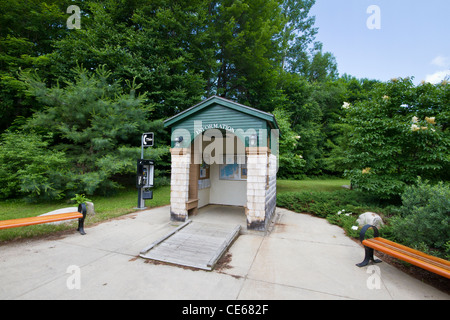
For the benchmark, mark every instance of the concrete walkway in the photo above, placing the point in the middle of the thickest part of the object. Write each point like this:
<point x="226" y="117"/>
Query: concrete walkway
<point x="301" y="258"/>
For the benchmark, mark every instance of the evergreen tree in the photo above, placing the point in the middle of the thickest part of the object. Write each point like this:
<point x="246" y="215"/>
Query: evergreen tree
<point x="96" y="123"/>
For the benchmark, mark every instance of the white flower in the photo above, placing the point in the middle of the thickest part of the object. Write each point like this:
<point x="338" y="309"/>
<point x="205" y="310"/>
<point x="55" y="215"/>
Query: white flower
<point x="354" y="227"/>
<point x="346" y="105"/>
<point x="415" y="127"/>
<point x="415" y="119"/>
<point x="339" y="212"/>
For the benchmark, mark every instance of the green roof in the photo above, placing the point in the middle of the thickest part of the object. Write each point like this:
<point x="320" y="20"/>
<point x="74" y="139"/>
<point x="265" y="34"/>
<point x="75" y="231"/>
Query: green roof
<point x="215" y="100"/>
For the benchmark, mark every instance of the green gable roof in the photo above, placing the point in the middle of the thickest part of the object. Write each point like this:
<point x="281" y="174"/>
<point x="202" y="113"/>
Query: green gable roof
<point x="225" y="103"/>
<point x="219" y="113"/>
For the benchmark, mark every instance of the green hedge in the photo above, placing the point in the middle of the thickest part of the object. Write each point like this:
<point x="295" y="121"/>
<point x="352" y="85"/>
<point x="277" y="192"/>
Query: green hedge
<point x="423" y="222"/>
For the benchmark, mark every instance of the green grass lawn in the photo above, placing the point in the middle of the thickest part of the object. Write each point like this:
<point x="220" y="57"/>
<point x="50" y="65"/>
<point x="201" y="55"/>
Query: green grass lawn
<point x="311" y="185"/>
<point x="123" y="202"/>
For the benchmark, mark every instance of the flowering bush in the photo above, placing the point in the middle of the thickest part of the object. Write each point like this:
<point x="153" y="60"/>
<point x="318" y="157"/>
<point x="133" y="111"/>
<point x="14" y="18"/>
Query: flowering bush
<point x="399" y="134"/>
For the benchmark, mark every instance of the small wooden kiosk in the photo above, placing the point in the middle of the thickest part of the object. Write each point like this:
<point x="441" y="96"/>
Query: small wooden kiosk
<point x="224" y="153"/>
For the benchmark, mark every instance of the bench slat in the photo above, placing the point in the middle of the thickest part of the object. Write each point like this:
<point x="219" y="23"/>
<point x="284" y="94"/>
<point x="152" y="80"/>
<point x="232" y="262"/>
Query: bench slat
<point x="409" y="252"/>
<point x="22" y="222"/>
<point x="420" y="259"/>
<point x="443" y="262"/>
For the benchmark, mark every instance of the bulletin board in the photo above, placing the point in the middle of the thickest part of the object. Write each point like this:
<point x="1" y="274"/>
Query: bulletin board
<point x="233" y="169"/>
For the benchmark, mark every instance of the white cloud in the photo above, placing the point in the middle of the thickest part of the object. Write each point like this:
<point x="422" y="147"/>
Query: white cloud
<point x="441" y="61"/>
<point x="438" y="76"/>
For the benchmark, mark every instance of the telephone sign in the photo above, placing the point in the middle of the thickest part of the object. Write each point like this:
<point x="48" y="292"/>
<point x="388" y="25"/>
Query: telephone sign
<point x="147" y="139"/>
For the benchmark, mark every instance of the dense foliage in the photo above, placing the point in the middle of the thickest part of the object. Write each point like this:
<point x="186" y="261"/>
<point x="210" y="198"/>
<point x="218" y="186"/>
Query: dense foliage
<point x="424" y="219"/>
<point x="31" y="170"/>
<point x="397" y="135"/>
<point x="85" y="95"/>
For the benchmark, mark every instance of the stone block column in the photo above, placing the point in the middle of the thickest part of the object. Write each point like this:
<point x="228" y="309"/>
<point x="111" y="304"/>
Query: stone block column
<point x="179" y="183"/>
<point x="261" y="187"/>
<point x="257" y="162"/>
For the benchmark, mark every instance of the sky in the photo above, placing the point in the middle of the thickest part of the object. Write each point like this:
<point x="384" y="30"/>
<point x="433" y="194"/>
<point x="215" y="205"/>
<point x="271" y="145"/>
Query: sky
<point x="386" y="39"/>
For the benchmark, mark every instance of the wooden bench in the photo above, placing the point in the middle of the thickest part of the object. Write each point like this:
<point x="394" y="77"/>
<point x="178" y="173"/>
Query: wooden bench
<point x="22" y="222"/>
<point x="417" y="258"/>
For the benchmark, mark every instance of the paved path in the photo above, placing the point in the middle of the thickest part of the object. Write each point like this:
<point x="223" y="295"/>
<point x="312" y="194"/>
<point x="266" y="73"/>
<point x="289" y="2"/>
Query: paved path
<point x="302" y="258"/>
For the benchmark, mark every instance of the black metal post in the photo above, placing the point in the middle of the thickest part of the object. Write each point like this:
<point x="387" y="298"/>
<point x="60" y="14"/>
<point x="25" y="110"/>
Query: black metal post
<point x="82" y="209"/>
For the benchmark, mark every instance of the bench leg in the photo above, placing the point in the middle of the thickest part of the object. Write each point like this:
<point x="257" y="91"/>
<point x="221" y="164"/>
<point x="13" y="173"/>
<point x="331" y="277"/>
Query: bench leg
<point x="81" y="226"/>
<point x="369" y="257"/>
<point x="369" y="251"/>
<point x="82" y="209"/>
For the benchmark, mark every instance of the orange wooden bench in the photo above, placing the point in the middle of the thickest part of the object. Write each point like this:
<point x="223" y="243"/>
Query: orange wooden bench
<point x="415" y="257"/>
<point x="22" y="222"/>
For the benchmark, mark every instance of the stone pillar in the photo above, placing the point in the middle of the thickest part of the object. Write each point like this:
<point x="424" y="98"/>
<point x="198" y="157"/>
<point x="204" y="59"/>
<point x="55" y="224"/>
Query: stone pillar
<point x="261" y="187"/>
<point x="257" y="161"/>
<point x="179" y="183"/>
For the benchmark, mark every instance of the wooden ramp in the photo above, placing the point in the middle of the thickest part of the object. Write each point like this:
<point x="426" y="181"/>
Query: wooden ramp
<point x="193" y="244"/>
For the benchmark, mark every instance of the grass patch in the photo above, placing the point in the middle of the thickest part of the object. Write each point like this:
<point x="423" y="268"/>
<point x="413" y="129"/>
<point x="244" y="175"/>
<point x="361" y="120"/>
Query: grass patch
<point x="284" y="186"/>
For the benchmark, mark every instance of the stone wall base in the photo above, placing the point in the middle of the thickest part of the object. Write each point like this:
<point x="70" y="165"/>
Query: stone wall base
<point x="175" y="217"/>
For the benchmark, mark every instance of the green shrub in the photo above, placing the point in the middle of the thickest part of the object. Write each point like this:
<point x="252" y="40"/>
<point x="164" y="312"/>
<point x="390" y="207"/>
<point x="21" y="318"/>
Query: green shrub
<point x="424" y="220"/>
<point x="80" y="198"/>
<point x="29" y="168"/>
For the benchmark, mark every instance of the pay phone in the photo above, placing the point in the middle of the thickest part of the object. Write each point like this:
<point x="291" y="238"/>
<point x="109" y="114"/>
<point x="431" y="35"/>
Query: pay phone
<point x="144" y="180"/>
<point x="145" y="173"/>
